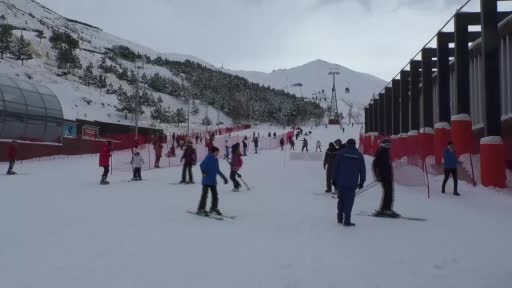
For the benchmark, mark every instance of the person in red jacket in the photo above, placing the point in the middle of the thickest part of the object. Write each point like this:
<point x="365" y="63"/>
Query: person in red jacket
<point x="11" y="156"/>
<point x="236" y="165"/>
<point x="158" y="153"/>
<point x="190" y="159"/>
<point x="105" y="155"/>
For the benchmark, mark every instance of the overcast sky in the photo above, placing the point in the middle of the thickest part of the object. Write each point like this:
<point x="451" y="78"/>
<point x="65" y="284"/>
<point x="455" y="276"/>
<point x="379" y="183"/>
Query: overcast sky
<point x="372" y="36"/>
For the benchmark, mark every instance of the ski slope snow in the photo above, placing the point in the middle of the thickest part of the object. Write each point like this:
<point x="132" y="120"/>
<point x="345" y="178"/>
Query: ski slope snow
<point x="61" y="229"/>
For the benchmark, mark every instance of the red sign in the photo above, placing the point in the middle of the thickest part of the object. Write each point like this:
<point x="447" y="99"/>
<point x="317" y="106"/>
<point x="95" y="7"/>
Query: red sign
<point x="89" y="132"/>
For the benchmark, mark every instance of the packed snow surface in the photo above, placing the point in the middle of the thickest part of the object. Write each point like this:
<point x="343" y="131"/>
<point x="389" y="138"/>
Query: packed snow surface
<point x="61" y="229"/>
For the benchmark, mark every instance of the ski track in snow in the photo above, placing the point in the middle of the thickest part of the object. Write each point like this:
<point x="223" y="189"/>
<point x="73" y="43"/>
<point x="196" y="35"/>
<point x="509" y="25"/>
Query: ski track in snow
<point x="61" y="229"/>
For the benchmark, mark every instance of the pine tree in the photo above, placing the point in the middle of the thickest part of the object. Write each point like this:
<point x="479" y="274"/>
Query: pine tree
<point x="110" y="89"/>
<point x="89" y="78"/>
<point x="206" y="121"/>
<point x="40" y="35"/>
<point x="132" y="80"/>
<point x="102" y="81"/>
<point x="179" y="116"/>
<point x="21" y="49"/>
<point x="5" y="40"/>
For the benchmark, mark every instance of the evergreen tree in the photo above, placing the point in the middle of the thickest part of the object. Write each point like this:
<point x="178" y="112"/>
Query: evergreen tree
<point x="5" y="40"/>
<point x="132" y="80"/>
<point x="21" y="49"/>
<point x="180" y="116"/>
<point x="67" y="60"/>
<point x="124" y="74"/>
<point x="40" y="35"/>
<point x="102" y="81"/>
<point x="89" y="78"/>
<point x="110" y="89"/>
<point x="206" y="121"/>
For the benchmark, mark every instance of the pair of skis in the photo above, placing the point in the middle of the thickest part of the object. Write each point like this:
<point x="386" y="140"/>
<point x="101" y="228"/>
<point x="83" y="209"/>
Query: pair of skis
<point x="400" y="217"/>
<point x="213" y="216"/>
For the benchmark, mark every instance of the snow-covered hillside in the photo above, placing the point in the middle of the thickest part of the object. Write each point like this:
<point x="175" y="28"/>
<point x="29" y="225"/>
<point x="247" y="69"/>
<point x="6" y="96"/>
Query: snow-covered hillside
<point x="80" y="101"/>
<point x="314" y="76"/>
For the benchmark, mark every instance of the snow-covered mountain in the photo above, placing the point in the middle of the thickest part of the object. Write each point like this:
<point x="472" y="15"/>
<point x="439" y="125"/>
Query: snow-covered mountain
<point x="314" y="78"/>
<point x="80" y="101"/>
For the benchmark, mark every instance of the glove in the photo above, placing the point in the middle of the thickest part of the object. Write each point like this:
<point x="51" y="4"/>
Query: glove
<point x="361" y="185"/>
<point x="238" y="175"/>
<point x="226" y="181"/>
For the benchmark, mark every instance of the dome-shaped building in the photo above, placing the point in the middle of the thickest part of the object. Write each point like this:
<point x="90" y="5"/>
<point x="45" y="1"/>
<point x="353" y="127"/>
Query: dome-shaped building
<point x="29" y="111"/>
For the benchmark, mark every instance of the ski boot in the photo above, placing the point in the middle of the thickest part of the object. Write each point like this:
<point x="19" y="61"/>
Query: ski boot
<point x="190" y="182"/>
<point x="182" y="182"/>
<point x="456" y="193"/>
<point x="386" y="214"/>
<point x="202" y="212"/>
<point x="11" y="173"/>
<point x="216" y="211"/>
<point x="349" y="224"/>
<point x="104" y="181"/>
<point x="236" y="190"/>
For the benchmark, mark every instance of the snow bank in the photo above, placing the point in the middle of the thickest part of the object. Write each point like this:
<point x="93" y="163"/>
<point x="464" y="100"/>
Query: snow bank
<point x="413" y="133"/>
<point x="426" y="130"/>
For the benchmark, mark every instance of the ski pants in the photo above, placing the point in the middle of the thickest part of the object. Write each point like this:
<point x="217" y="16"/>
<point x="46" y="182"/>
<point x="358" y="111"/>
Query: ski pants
<point x="106" y="170"/>
<point x="292" y="147"/>
<point x="318" y="148"/>
<point x="328" y="176"/>
<point x="232" y="176"/>
<point x="245" y="151"/>
<point x="256" y="149"/>
<point x="157" y="161"/>
<point x="204" y="197"/>
<point x="346" y="198"/>
<point x="305" y="147"/>
<point x="447" y="173"/>
<point x="282" y="147"/>
<point x="226" y="155"/>
<point x="187" y="168"/>
<point x="386" y="203"/>
<point x="137" y="173"/>
<point x="11" y="166"/>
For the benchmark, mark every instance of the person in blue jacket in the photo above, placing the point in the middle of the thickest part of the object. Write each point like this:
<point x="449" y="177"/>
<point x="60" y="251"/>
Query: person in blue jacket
<point x="210" y="169"/>
<point x="450" y="167"/>
<point x="349" y="174"/>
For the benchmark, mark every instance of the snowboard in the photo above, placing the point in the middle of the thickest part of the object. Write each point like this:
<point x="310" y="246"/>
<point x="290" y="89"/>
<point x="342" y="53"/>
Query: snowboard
<point x="401" y="217"/>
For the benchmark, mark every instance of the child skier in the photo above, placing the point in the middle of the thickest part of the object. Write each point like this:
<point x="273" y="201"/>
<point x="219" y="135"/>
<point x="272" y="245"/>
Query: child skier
<point x="236" y="165"/>
<point x="281" y="142"/>
<point x="305" y="145"/>
<point x="137" y="162"/>
<point x="210" y="169"/>
<point x="245" y="145"/>
<point x="318" y="146"/>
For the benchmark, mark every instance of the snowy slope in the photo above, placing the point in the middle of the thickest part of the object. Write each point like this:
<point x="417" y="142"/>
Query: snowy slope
<point x="79" y="234"/>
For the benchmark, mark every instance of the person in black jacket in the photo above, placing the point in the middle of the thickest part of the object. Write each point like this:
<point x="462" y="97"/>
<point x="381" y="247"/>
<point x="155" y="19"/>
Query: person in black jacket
<point x="383" y="170"/>
<point x="330" y="157"/>
<point x="339" y="144"/>
<point x="281" y="142"/>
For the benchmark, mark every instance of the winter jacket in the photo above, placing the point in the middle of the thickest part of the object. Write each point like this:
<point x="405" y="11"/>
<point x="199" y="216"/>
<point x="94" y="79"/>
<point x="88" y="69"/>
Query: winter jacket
<point x="105" y="156"/>
<point x="304" y="143"/>
<point x="210" y="169"/>
<point x="190" y="156"/>
<point x="281" y="142"/>
<point x="382" y="166"/>
<point x="137" y="161"/>
<point x="158" y="149"/>
<point x="11" y="152"/>
<point x="349" y="169"/>
<point x="256" y="141"/>
<point x="330" y="157"/>
<point x="236" y="162"/>
<point x="244" y="143"/>
<point x="450" y="159"/>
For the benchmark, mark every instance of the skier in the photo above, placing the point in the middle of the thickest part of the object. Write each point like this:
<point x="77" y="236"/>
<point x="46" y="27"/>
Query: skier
<point x="105" y="155"/>
<point x="171" y="152"/>
<point x="173" y="138"/>
<point x="281" y="142"/>
<point x="256" y="143"/>
<point x="305" y="145"/>
<point x="292" y="144"/>
<point x="226" y="154"/>
<point x="318" y="146"/>
<point x="343" y="130"/>
<point x="275" y="135"/>
<point x="12" y="151"/>
<point x="244" y="144"/>
<point x="450" y="167"/>
<point x="137" y="162"/>
<point x="210" y="169"/>
<point x="236" y="164"/>
<point x="197" y="139"/>
<point x="330" y="156"/>
<point x="383" y="170"/>
<point x="158" y="147"/>
<point x="189" y="158"/>
<point x="349" y="174"/>
<point x="269" y="135"/>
